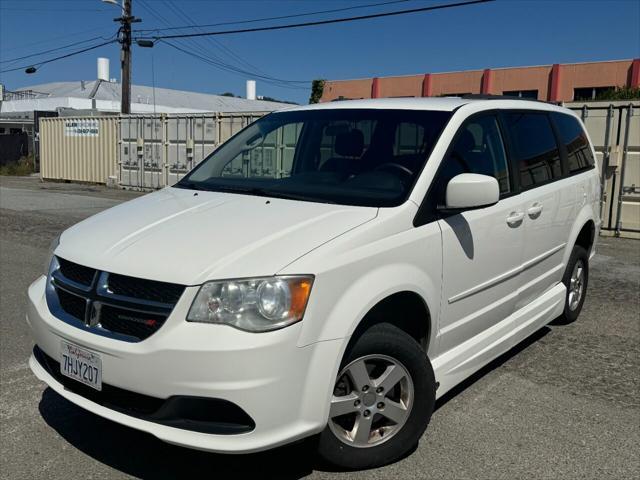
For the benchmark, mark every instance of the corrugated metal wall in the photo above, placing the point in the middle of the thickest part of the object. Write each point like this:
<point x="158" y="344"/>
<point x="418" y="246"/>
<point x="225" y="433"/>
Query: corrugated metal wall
<point x="615" y="132"/>
<point x="79" y="149"/>
<point x="156" y="151"/>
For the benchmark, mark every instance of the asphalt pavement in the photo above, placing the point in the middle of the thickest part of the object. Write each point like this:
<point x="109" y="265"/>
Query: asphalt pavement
<point x="563" y="404"/>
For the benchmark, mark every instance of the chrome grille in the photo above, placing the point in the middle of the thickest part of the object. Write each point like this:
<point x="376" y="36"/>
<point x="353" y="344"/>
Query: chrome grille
<point x="117" y="306"/>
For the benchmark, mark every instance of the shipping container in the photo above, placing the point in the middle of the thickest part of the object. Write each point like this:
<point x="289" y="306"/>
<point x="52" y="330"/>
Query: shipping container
<point x="81" y="149"/>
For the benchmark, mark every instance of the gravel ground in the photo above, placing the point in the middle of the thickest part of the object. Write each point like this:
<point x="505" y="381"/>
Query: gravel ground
<point x="563" y="404"/>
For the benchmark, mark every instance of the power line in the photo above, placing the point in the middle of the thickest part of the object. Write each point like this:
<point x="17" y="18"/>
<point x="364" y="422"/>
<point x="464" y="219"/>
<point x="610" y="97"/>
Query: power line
<point x="192" y="43"/>
<point x="71" y="54"/>
<point x="215" y="43"/>
<point x="57" y="37"/>
<point x="319" y="22"/>
<point x="267" y="79"/>
<point x="203" y="54"/>
<point x="63" y="47"/>
<point x="55" y="9"/>
<point x="281" y="17"/>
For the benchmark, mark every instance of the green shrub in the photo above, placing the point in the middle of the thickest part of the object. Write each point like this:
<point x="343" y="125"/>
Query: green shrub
<point x="21" y="168"/>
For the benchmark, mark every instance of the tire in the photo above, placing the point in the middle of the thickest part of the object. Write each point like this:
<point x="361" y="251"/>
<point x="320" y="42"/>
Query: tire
<point x="579" y="259"/>
<point x="398" y="374"/>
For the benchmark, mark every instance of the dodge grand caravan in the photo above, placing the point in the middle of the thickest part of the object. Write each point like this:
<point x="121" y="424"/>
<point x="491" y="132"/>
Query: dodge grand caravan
<point x="330" y="271"/>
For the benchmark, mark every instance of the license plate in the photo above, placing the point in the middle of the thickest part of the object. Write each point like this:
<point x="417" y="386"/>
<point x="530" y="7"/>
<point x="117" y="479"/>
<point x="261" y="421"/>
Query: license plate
<point x="81" y="365"/>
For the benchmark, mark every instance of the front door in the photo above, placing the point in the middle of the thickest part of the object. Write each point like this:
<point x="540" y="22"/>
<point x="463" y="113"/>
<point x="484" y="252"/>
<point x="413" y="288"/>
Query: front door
<point x="482" y="249"/>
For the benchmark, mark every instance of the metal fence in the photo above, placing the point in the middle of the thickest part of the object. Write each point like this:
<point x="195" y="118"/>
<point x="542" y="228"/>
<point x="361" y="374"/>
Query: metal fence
<point x="615" y="131"/>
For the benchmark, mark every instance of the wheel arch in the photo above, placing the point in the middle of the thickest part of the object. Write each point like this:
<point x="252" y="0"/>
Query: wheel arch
<point x="583" y="232"/>
<point x="406" y="310"/>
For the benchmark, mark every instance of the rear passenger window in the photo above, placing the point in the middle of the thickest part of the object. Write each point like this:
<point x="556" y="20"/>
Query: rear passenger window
<point x="573" y="136"/>
<point x="478" y="148"/>
<point x="534" y="148"/>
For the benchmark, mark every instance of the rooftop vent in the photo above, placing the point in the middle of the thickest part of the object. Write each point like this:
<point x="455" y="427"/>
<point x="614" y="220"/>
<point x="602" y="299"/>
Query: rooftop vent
<point x="103" y="69"/>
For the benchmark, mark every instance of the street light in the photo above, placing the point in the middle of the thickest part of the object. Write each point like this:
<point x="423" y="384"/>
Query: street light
<point x="114" y="3"/>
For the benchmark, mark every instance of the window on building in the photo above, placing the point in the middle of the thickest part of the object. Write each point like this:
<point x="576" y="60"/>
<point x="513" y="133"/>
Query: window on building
<point x="589" y="93"/>
<point x="572" y="135"/>
<point x="532" y="94"/>
<point x="534" y="148"/>
<point x="478" y="148"/>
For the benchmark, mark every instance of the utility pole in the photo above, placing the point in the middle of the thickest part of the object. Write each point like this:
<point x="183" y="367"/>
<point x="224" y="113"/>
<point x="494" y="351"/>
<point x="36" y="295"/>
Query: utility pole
<point x="125" y="54"/>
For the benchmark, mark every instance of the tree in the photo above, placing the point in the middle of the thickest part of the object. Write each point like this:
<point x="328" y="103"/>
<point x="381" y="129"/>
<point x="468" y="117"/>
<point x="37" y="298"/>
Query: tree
<point x="620" y="93"/>
<point x="317" y="88"/>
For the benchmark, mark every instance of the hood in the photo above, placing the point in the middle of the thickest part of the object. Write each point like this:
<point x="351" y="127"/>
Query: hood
<point x="185" y="237"/>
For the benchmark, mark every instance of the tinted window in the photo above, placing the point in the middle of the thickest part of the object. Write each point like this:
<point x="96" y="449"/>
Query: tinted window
<point x="478" y="148"/>
<point x="349" y="156"/>
<point x="534" y="148"/>
<point x="573" y="136"/>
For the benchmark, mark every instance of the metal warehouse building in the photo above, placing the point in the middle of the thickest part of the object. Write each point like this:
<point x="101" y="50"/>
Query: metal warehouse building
<point x="21" y="109"/>
<point x="556" y="83"/>
<point x="102" y="96"/>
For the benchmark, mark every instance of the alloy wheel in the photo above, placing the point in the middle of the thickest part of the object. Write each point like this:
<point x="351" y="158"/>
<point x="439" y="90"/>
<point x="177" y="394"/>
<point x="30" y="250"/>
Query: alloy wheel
<point x="372" y="400"/>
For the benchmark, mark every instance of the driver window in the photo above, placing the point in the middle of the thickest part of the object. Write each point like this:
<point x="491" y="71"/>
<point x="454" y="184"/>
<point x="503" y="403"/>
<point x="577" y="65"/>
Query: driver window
<point x="478" y="148"/>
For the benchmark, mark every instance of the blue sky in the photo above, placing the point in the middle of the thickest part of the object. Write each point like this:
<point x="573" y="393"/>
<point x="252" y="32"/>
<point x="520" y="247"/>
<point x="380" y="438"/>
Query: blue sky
<point x="499" y="34"/>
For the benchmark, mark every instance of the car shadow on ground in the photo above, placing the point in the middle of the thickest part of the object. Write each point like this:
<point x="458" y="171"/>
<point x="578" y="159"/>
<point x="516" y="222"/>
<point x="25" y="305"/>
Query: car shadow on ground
<point x="141" y="455"/>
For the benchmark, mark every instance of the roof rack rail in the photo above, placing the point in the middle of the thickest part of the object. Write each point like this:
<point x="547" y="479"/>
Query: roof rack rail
<point x="487" y="96"/>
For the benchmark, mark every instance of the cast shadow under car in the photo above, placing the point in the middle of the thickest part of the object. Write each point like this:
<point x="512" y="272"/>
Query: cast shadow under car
<point x="141" y="455"/>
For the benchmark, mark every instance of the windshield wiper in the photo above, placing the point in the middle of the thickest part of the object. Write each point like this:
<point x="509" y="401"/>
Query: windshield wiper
<point x="265" y="192"/>
<point x="257" y="191"/>
<point x="191" y="186"/>
<point x="293" y="196"/>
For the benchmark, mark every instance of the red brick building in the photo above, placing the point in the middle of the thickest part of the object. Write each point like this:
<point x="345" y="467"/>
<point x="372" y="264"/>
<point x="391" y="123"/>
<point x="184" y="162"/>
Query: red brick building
<point x="558" y="83"/>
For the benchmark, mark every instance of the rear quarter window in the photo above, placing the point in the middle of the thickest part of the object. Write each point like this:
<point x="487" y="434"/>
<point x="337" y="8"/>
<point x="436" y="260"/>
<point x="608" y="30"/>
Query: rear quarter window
<point x="574" y="138"/>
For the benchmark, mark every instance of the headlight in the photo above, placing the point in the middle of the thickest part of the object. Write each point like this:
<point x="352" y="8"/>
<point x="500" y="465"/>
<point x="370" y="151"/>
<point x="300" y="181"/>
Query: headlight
<point x="255" y="304"/>
<point x="54" y="244"/>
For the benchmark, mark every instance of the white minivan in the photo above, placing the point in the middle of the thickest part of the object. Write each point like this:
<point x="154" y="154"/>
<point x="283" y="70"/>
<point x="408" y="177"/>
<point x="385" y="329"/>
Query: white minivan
<point x="330" y="271"/>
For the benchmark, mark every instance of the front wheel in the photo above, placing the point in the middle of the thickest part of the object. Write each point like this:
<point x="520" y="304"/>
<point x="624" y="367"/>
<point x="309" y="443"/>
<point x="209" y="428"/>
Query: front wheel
<point x="382" y="400"/>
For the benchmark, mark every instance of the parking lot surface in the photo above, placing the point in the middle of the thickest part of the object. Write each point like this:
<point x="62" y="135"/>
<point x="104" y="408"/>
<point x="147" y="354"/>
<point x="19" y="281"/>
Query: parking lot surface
<point x="564" y="404"/>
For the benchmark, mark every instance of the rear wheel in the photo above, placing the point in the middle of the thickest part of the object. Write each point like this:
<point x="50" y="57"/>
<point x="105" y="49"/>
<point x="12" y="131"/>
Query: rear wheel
<point x="382" y="400"/>
<point x="576" y="279"/>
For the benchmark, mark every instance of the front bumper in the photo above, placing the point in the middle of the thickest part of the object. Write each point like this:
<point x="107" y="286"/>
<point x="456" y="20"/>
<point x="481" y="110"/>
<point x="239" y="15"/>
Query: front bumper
<point x="285" y="389"/>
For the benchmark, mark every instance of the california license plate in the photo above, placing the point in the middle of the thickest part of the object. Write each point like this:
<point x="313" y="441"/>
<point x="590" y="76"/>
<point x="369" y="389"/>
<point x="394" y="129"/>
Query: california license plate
<point x="81" y="365"/>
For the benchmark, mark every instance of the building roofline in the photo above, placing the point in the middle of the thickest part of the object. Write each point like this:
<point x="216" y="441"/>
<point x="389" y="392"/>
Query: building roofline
<point x="480" y="70"/>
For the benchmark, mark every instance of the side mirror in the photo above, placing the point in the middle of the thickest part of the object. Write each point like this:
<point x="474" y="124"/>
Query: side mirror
<point x="469" y="191"/>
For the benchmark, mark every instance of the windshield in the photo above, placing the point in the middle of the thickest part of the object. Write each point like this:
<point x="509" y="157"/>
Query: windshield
<point x="345" y="156"/>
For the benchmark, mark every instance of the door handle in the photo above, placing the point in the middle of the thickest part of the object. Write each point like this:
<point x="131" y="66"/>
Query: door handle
<point x="535" y="210"/>
<point x="515" y="219"/>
